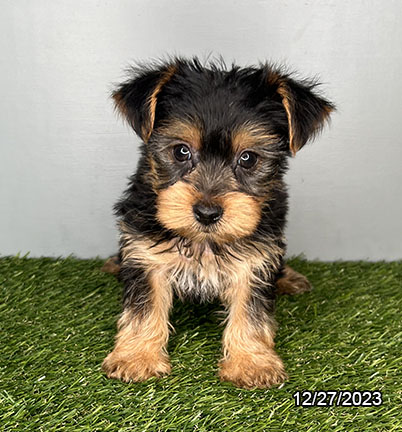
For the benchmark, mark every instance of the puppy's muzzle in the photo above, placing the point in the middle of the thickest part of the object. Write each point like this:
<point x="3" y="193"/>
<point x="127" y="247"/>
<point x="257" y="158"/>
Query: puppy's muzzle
<point x="207" y="214"/>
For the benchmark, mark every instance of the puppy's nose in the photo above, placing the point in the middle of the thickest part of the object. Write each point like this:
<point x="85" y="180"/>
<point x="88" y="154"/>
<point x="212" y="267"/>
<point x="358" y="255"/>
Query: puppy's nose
<point x="207" y="214"/>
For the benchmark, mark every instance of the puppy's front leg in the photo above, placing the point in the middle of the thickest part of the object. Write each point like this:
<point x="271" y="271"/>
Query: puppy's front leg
<point x="249" y="359"/>
<point x="140" y="349"/>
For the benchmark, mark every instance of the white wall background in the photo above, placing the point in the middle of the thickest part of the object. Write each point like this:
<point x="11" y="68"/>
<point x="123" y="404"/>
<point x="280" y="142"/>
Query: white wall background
<point x="64" y="156"/>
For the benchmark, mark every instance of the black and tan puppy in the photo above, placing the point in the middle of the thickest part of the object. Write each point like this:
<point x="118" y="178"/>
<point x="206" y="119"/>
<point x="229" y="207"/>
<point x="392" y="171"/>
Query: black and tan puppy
<point x="204" y="215"/>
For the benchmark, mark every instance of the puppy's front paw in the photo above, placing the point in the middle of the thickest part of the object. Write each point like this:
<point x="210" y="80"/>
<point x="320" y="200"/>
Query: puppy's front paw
<point x="135" y="366"/>
<point x="253" y="371"/>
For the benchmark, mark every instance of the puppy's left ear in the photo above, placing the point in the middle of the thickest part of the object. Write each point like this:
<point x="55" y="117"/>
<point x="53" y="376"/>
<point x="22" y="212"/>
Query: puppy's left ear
<point x="306" y="111"/>
<point x="136" y="99"/>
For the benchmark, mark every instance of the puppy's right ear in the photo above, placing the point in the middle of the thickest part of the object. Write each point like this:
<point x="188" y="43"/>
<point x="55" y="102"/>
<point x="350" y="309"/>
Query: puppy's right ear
<point x="136" y="99"/>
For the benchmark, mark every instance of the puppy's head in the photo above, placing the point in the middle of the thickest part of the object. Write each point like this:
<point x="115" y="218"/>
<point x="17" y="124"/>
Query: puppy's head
<point x="217" y="140"/>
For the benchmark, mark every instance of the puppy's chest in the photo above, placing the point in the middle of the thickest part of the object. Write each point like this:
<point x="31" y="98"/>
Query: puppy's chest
<point x="200" y="277"/>
<point x="194" y="273"/>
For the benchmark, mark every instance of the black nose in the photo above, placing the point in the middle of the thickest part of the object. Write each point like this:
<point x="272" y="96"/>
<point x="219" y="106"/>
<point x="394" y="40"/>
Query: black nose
<point x="207" y="214"/>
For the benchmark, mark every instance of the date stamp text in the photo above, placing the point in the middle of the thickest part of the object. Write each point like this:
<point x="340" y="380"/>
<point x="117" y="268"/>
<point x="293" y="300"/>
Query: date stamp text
<point x="344" y="398"/>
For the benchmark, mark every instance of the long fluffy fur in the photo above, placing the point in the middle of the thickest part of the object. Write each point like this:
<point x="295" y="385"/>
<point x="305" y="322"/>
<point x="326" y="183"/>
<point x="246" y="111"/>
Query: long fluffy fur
<point x="218" y="113"/>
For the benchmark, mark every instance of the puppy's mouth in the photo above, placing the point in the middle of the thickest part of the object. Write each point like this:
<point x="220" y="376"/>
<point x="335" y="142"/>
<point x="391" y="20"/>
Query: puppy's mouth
<point x="214" y="232"/>
<point x="209" y="231"/>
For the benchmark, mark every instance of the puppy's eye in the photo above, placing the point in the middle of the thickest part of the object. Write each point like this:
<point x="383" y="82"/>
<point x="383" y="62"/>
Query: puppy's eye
<point x="181" y="153"/>
<point x="247" y="159"/>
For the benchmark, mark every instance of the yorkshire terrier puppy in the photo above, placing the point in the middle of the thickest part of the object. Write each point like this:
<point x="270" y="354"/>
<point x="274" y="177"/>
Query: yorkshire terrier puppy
<point x="204" y="215"/>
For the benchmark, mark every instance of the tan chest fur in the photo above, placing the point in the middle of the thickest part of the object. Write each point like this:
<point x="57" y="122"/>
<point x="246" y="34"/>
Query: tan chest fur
<point x="194" y="271"/>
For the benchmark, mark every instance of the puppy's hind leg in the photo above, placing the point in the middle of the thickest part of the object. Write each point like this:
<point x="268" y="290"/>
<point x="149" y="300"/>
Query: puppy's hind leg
<point x="291" y="282"/>
<point x="112" y="265"/>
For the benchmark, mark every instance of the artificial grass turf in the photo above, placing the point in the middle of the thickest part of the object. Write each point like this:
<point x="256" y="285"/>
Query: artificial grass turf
<point x="57" y="322"/>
